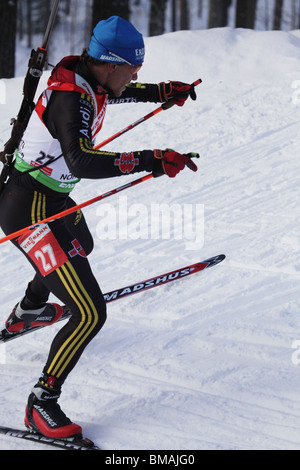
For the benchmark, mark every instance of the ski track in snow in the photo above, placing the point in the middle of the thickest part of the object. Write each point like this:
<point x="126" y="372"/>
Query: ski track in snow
<point x="204" y="363"/>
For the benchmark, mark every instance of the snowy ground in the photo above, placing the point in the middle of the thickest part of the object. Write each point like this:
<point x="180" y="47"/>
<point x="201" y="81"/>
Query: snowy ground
<point x="210" y="362"/>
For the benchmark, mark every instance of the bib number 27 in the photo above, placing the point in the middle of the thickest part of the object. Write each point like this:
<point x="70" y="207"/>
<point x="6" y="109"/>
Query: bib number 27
<point x="46" y="257"/>
<point x="43" y="249"/>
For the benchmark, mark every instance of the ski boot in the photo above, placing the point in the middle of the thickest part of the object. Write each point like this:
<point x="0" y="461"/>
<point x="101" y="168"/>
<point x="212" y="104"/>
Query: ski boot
<point x="44" y="416"/>
<point x="22" y="319"/>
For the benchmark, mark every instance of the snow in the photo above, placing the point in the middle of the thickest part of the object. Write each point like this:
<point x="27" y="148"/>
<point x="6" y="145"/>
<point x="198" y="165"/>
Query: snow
<point x="211" y="361"/>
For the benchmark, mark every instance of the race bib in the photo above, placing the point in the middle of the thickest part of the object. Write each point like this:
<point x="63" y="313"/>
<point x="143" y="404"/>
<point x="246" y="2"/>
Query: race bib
<point x="43" y="249"/>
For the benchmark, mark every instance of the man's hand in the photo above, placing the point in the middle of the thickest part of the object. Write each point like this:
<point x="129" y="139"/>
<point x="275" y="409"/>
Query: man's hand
<point x="177" y="92"/>
<point x="171" y="163"/>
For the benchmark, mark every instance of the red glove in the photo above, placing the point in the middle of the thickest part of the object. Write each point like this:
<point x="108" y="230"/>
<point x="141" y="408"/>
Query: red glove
<point x="171" y="163"/>
<point x="177" y="92"/>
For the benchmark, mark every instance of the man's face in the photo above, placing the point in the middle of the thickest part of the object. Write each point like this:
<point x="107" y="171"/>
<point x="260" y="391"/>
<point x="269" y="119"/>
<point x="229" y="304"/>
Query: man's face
<point x="114" y="77"/>
<point x="120" y="76"/>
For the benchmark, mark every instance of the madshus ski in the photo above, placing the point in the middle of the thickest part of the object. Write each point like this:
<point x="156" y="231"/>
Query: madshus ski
<point x="86" y="444"/>
<point x="79" y="444"/>
<point x="132" y="289"/>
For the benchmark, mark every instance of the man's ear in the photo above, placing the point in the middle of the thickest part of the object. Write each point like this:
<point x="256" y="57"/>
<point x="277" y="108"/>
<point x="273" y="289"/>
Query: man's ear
<point x="111" y="67"/>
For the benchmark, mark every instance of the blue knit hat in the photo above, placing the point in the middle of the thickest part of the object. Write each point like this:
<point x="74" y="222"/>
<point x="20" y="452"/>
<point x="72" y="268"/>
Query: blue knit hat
<point x="116" y="40"/>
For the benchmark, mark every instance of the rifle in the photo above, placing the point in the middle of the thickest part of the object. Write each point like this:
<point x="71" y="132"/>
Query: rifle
<point x="36" y="65"/>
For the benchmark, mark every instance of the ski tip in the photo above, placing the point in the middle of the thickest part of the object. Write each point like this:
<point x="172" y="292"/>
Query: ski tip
<point x="214" y="260"/>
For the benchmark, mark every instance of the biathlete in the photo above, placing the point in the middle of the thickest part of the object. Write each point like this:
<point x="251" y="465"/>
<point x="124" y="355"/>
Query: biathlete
<point x="56" y="152"/>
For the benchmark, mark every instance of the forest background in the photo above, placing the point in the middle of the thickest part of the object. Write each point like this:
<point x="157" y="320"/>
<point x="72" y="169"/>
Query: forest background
<point x="21" y="21"/>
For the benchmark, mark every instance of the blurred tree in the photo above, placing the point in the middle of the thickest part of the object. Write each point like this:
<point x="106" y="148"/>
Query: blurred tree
<point x="180" y="15"/>
<point x="218" y="13"/>
<point x="245" y="14"/>
<point x="295" y="14"/>
<point x="8" y="22"/>
<point x="103" y="9"/>
<point x="174" y="16"/>
<point x="157" y="17"/>
<point x="200" y="8"/>
<point x="184" y="14"/>
<point x="277" y="14"/>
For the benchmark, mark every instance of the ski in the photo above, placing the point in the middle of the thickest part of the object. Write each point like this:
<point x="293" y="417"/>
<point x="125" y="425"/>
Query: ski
<point x="132" y="289"/>
<point x="78" y="444"/>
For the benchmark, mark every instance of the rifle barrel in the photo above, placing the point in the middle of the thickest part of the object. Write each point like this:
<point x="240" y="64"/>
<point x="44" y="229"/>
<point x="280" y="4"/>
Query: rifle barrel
<point x="50" y="24"/>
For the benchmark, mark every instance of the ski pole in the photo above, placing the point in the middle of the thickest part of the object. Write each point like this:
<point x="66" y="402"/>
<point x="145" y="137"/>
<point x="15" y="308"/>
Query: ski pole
<point x="66" y="212"/>
<point x="163" y="107"/>
<point x="69" y="211"/>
